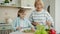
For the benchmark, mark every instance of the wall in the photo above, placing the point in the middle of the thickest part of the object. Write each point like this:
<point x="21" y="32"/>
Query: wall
<point x="46" y="3"/>
<point x="52" y="8"/>
<point x="11" y="13"/>
<point x="7" y="10"/>
<point x="57" y="15"/>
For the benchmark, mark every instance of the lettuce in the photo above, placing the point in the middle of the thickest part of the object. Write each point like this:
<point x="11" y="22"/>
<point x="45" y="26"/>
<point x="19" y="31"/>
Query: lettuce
<point x="40" y="30"/>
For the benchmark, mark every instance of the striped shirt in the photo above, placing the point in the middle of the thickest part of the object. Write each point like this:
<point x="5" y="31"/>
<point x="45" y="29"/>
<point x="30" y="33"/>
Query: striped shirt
<point x="40" y="17"/>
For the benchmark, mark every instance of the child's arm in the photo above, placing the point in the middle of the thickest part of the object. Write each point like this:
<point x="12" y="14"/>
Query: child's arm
<point x="32" y="27"/>
<point x="49" y="19"/>
<point x="15" y="25"/>
<point x="35" y="23"/>
<point x="31" y="17"/>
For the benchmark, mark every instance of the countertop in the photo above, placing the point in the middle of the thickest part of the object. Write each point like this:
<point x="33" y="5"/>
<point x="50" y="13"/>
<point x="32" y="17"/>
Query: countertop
<point x="28" y="33"/>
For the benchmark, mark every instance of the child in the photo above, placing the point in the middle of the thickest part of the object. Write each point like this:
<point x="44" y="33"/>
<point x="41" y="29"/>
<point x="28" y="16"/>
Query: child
<point x="39" y="15"/>
<point x="21" y="23"/>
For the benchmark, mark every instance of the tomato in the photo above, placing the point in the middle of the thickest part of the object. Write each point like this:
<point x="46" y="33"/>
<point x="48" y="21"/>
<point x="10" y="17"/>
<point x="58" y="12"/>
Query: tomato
<point x="52" y="31"/>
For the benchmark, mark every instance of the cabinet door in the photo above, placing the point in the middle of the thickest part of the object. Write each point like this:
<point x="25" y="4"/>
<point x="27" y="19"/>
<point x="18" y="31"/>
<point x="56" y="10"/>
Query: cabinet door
<point x="1" y="1"/>
<point x="24" y="3"/>
<point x="27" y="3"/>
<point x="17" y="3"/>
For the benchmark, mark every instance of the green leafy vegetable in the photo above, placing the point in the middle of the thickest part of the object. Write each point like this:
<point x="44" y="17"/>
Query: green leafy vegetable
<point x="6" y="1"/>
<point x="27" y="30"/>
<point x="40" y="30"/>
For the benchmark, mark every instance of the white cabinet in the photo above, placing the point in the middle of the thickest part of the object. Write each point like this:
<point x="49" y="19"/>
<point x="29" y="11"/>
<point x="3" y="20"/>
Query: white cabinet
<point x="20" y="3"/>
<point x="26" y="3"/>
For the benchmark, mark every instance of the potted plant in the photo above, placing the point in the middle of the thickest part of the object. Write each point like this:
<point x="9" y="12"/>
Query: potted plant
<point x="6" y="1"/>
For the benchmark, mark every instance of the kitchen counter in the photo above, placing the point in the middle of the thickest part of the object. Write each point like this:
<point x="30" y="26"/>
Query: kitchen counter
<point x="21" y="33"/>
<point x="5" y="27"/>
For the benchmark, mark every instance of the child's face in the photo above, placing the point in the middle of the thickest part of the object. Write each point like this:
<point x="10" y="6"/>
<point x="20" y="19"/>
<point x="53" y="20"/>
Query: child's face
<point x="38" y="6"/>
<point x="22" y="15"/>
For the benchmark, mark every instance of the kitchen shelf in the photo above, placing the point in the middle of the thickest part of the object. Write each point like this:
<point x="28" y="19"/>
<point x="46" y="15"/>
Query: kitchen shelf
<point x="8" y="6"/>
<point x="16" y="7"/>
<point x="27" y="7"/>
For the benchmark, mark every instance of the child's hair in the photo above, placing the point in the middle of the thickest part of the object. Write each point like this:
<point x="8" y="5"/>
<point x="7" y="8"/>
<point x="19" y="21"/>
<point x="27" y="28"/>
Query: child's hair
<point x="21" y="10"/>
<point x="40" y="1"/>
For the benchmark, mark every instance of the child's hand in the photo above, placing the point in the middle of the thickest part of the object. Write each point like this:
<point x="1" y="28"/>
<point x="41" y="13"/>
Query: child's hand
<point x="35" y="23"/>
<point x="48" y="23"/>
<point x="19" y="28"/>
<point x="33" y="30"/>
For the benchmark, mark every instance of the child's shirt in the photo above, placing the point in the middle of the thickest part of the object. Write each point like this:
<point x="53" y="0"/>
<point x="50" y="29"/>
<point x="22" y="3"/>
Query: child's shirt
<point x="24" y="23"/>
<point x="40" y="17"/>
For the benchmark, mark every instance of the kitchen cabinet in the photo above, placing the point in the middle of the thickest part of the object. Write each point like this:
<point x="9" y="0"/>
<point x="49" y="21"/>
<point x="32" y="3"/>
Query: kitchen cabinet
<point x="20" y="3"/>
<point x="5" y="29"/>
<point x="5" y="26"/>
<point x="27" y="3"/>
